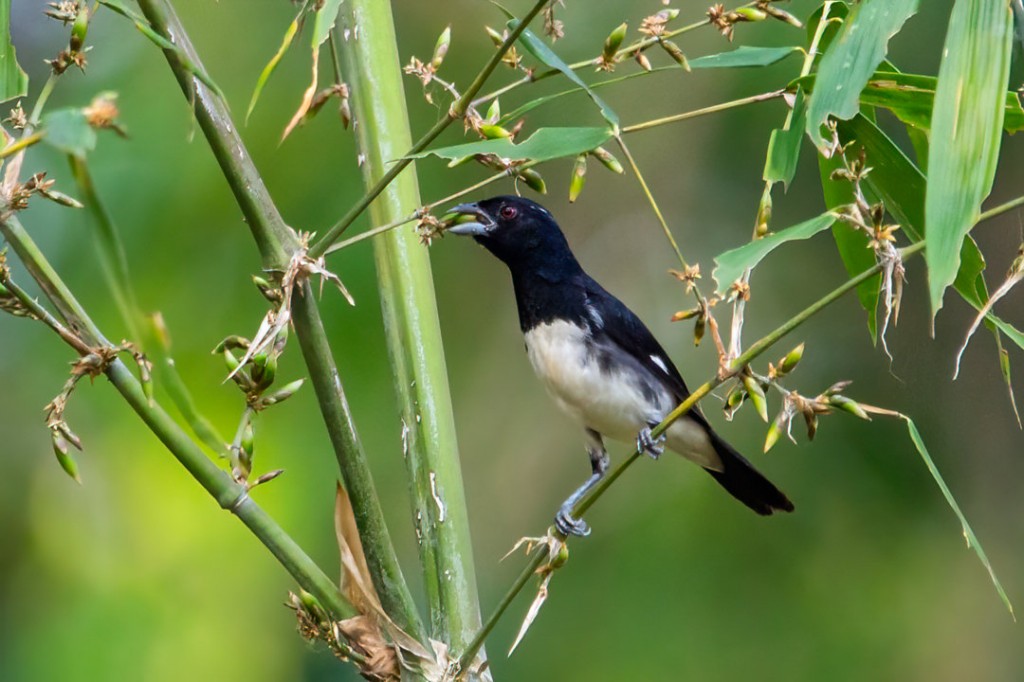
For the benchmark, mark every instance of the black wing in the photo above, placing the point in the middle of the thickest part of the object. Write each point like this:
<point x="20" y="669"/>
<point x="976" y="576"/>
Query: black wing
<point x="613" y="319"/>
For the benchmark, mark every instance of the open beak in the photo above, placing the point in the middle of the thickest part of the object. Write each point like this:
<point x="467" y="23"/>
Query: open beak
<point x="476" y="222"/>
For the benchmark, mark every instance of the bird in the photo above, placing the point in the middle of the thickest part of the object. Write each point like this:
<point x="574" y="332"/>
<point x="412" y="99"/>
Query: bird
<point x="597" y="359"/>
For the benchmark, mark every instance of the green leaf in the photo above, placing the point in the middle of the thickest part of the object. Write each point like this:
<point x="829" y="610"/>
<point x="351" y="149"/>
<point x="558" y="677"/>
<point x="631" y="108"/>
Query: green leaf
<point x="852" y="244"/>
<point x="536" y="47"/>
<point x="784" y="145"/>
<point x="968" y="118"/>
<point x="969" y="536"/>
<point x="731" y="265"/>
<point x="911" y="98"/>
<point x="852" y="57"/>
<point x="543" y="145"/>
<point x="324" y="21"/>
<point x="743" y="56"/>
<point x="286" y="42"/>
<point x="13" y="81"/>
<point x="68" y="131"/>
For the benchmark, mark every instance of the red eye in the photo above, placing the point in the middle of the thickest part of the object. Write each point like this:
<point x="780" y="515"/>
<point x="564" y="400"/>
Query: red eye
<point x="508" y="212"/>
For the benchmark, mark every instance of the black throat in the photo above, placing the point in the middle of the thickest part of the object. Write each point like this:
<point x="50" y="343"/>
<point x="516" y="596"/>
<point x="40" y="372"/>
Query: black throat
<point x="549" y="285"/>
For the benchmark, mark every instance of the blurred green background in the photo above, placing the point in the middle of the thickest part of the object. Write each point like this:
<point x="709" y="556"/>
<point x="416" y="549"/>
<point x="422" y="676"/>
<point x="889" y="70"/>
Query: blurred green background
<point x="138" y="575"/>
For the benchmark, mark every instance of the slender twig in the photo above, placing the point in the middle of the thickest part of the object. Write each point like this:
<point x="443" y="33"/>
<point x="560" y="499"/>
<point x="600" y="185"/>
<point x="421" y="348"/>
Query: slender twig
<point x="1001" y="209"/>
<point x="702" y="391"/>
<point x="43" y="315"/>
<point x="457" y="110"/>
<point x="622" y="54"/>
<point x="22" y="143"/>
<point x="696" y="113"/>
<point x="229" y="495"/>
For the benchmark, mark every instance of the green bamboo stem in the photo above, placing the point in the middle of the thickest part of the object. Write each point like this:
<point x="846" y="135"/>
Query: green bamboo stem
<point x="275" y="239"/>
<point x="401" y="160"/>
<point x="697" y="113"/>
<point x="411" y="324"/>
<point x="228" y="494"/>
<point x="276" y="243"/>
<point x="702" y="391"/>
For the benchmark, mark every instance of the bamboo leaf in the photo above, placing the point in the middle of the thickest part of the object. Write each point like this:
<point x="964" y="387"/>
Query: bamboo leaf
<point x="68" y="131"/>
<point x="13" y="81"/>
<point x="911" y="97"/>
<point x="323" y="22"/>
<point x="536" y="47"/>
<point x="742" y="57"/>
<point x="969" y="536"/>
<point x="286" y="42"/>
<point x="784" y="145"/>
<point x="852" y="57"/>
<point x="968" y="118"/>
<point x="545" y="144"/>
<point x="731" y="265"/>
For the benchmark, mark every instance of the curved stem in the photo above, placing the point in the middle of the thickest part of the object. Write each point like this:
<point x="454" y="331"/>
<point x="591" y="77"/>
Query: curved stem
<point x="587" y="502"/>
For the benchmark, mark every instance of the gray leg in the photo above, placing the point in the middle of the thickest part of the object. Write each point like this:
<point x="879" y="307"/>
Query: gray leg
<point x="599" y="462"/>
<point x="645" y="442"/>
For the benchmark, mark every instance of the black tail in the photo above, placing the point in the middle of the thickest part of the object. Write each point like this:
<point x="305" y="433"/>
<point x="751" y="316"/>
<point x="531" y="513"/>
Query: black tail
<point x="746" y="483"/>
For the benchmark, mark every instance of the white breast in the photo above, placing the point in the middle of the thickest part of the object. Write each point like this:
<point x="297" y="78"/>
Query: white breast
<point x="610" y="401"/>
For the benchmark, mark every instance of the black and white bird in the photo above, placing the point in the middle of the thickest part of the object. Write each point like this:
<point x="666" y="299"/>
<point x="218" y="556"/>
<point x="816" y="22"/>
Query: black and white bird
<point x="597" y="359"/>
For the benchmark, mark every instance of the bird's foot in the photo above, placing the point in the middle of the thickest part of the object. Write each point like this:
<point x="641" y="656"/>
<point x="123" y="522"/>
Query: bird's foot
<point x="645" y="442"/>
<point x="567" y="525"/>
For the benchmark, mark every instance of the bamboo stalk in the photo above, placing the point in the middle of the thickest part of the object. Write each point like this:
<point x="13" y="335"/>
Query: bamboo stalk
<point x="276" y="243"/>
<point x="411" y="324"/>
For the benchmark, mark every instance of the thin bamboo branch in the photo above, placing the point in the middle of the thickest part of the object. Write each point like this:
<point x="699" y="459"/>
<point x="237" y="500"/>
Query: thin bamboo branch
<point x="455" y="112"/>
<point x="412" y="328"/>
<point x="276" y="242"/>
<point x="228" y="494"/>
<point x="702" y="391"/>
<point x="696" y="113"/>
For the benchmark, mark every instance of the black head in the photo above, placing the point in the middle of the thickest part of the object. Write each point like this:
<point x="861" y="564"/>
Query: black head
<point x="520" y="232"/>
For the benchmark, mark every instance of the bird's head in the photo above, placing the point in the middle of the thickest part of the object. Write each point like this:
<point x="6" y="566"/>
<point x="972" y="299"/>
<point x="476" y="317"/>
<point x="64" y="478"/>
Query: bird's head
<point x="518" y="231"/>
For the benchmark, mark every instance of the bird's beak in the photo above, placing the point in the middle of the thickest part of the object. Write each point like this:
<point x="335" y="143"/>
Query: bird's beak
<point x="476" y="222"/>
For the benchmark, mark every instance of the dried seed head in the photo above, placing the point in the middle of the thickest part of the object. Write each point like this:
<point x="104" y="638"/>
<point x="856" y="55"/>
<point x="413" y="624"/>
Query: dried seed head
<point x="688" y="276"/>
<point x="676" y="53"/>
<point x="643" y="61"/>
<point x="64" y="12"/>
<point x="654" y="25"/>
<point x="17" y="118"/>
<point x="553" y="28"/>
<point x="685" y="314"/>
<point x="779" y="14"/>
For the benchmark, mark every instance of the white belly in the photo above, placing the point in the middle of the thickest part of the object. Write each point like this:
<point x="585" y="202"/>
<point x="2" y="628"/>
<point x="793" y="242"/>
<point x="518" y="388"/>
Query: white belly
<point x="607" y="401"/>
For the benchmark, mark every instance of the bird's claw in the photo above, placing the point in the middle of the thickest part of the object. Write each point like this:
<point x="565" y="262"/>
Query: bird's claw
<point x="567" y="525"/>
<point x="645" y="442"/>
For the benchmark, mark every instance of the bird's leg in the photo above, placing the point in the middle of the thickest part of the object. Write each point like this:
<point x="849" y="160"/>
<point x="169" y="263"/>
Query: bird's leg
<point x="599" y="462"/>
<point x="645" y="442"/>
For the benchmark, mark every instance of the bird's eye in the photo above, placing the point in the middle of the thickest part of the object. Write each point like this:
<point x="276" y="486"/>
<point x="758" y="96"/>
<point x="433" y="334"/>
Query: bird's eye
<point x="508" y="212"/>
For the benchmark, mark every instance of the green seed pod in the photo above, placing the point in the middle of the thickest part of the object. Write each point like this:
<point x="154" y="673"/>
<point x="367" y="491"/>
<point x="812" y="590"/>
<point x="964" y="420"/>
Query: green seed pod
<point x="757" y="397"/>
<point x="676" y="53"/>
<point x="61" y="198"/>
<point x="269" y="291"/>
<point x="248" y="442"/>
<point x="231" y="343"/>
<point x="494" y="132"/>
<point x="774" y="433"/>
<point x="79" y="29"/>
<point x="441" y="47"/>
<point x="64" y="458"/>
<point x="284" y="393"/>
<point x="579" y="177"/>
<point x="735" y="398"/>
<point x="312" y="606"/>
<point x="698" y="329"/>
<point x="847" y="405"/>
<point x="668" y="14"/>
<point x="750" y="14"/>
<point x="533" y="180"/>
<point x="789" y="363"/>
<point x="230" y="360"/>
<point x="496" y="37"/>
<point x="613" y="41"/>
<point x="685" y="315"/>
<point x="607" y="160"/>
